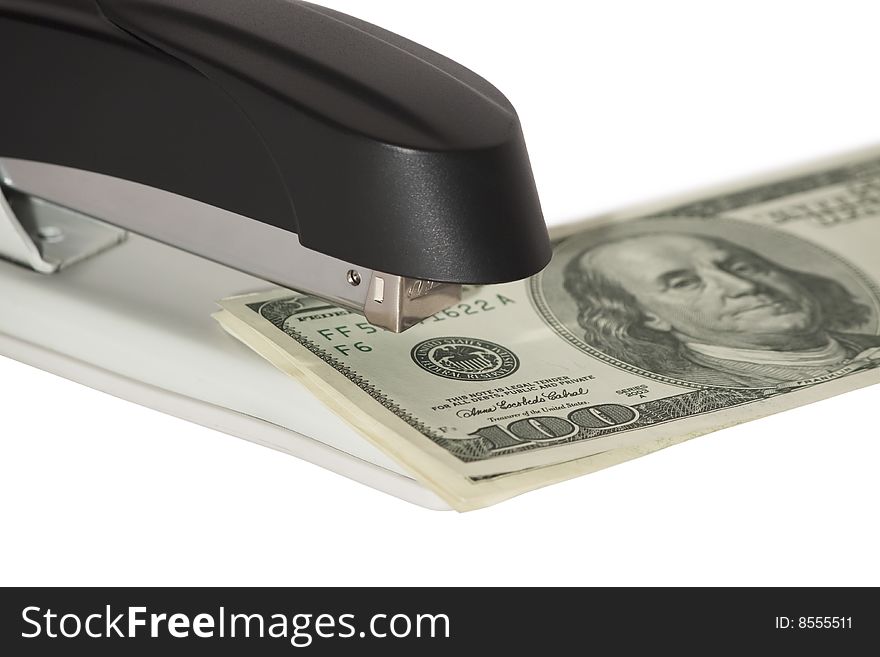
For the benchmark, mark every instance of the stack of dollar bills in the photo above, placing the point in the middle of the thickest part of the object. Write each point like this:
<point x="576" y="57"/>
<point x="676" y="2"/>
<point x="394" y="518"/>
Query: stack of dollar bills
<point x="644" y="331"/>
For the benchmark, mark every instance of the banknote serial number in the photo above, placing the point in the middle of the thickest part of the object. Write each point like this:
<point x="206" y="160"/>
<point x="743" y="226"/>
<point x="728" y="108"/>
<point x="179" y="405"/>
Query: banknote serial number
<point x="472" y="307"/>
<point x="814" y="622"/>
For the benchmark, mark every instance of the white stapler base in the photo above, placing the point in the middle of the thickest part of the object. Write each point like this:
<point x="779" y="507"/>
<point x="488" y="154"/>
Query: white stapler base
<point x="135" y="322"/>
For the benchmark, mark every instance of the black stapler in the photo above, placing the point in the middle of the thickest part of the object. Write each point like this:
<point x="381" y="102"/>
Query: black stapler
<point x="159" y="155"/>
<point x="282" y="139"/>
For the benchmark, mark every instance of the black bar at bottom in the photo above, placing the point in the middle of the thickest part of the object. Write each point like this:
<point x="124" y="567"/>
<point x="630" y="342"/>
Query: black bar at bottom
<point x="433" y="621"/>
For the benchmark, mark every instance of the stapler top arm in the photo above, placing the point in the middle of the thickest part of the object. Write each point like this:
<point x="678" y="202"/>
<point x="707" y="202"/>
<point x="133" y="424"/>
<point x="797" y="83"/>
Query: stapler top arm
<point x="278" y="137"/>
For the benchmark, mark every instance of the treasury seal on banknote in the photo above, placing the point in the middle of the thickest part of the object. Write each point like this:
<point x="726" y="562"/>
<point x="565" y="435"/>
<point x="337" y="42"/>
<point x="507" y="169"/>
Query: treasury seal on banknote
<point x="710" y="303"/>
<point x="465" y="359"/>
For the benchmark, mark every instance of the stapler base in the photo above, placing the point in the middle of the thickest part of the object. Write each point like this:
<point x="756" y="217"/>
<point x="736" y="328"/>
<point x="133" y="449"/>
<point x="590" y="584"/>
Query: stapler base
<point x="137" y="325"/>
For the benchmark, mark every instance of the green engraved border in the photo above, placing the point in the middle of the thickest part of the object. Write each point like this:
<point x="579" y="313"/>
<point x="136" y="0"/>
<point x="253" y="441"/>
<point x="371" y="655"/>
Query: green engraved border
<point x="715" y="205"/>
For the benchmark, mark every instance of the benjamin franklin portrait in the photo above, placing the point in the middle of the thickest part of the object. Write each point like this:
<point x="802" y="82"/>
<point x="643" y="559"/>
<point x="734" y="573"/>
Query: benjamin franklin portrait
<point x="689" y="303"/>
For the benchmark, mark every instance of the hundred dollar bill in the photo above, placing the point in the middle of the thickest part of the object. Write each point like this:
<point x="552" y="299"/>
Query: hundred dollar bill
<point x="644" y="330"/>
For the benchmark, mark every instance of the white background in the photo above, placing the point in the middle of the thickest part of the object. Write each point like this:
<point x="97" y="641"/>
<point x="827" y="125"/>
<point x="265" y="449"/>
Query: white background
<point x="621" y="102"/>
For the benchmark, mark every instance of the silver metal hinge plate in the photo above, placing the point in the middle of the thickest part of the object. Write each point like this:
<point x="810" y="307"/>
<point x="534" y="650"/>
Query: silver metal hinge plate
<point x="266" y="252"/>
<point x="47" y="237"/>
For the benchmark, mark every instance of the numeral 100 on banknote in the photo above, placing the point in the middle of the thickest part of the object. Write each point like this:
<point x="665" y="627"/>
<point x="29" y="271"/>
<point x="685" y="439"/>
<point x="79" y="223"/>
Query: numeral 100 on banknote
<point x="546" y="428"/>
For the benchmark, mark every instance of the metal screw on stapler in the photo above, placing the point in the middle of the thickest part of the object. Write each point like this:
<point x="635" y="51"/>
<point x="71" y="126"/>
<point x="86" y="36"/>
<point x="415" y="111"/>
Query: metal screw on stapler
<point x="381" y="182"/>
